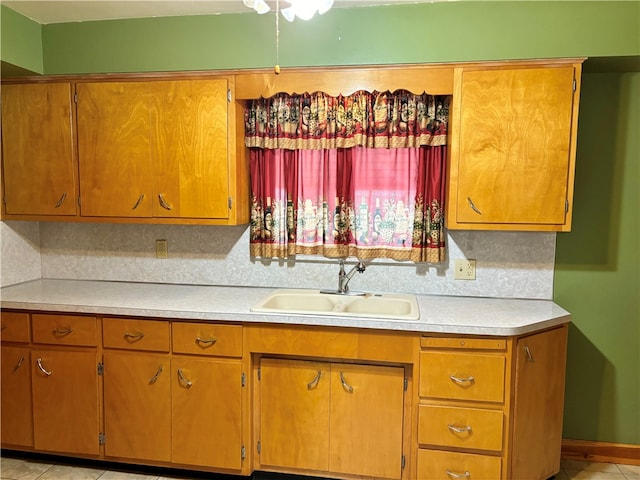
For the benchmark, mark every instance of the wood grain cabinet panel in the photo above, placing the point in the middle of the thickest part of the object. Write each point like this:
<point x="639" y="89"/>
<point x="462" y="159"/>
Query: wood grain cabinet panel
<point x="154" y="149"/>
<point x="17" y="419"/>
<point x="332" y="417"/>
<point x="136" y="334"/>
<point x="207" y="339"/>
<point x="462" y="376"/>
<point x="206" y="412"/>
<point x="513" y="148"/>
<point x="38" y="156"/>
<point x="442" y="465"/>
<point x="64" y="330"/>
<point x="15" y="327"/>
<point x="66" y="416"/>
<point x="137" y="405"/>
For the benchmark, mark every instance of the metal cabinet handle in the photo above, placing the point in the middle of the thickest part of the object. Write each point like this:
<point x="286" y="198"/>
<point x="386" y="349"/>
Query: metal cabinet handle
<point x="163" y="202"/>
<point x="137" y="204"/>
<point x="61" y="201"/>
<point x="153" y="379"/>
<point x="42" y="369"/>
<point x="461" y="381"/>
<point x="206" y="342"/>
<point x="456" y="429"/>
<point x="61" y="332"/>
<point x="346" y="386"/>
<point x="133" y="337"/>
<point x="311" y="385"/>
<point x="457" y="475"/>
<point x="529" y="355"/>
<point x="473" y="207"/>
<point x="19" y="364"/>
<point x="182" y="379"/>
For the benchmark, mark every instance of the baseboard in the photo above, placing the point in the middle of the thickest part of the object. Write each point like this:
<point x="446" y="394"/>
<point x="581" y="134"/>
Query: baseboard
<point x="626" y="454"/>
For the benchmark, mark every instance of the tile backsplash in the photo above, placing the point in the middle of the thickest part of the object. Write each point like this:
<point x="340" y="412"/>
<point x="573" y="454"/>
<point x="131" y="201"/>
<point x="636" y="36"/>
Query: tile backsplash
<point x="508" y="264"/>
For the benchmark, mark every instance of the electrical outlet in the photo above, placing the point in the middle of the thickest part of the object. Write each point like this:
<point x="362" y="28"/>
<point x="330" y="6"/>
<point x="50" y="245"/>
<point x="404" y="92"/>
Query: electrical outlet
<point x="162" y="250"/>
<point x="465" y="270"/>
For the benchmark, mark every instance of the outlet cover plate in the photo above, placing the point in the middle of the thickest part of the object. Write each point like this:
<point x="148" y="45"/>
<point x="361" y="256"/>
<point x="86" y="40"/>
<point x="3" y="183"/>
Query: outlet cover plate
<point x="465" y="270"/>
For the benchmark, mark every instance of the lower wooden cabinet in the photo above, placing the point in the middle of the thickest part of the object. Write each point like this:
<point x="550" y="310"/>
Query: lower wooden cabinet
<point x="66" y="417"/>
<point x="332" y="417"/>
<point x="17" y="420"/>
<point x="137" y="405"/>
<point x="206" y="413"/>
<point x="343" y="403"/>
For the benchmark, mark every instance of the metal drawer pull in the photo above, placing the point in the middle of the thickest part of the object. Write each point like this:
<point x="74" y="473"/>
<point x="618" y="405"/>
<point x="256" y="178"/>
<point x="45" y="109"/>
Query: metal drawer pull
<point x="61" y="201"/>
<point x="453" y="428"/>
<point x="133" y="337"/>
<point x="528" y="352"/>
<point x="473" y="207"/>
<point x="163" y="202"/>
<point x="42" y="369"/>
<point x="346" y="386"/>
<point x="138" y="202"/>
<point x="207" y="342"/>
<point x="61" y="332"/>
<point x="311" y="385"/>
<point x="461" y="381"/>
<point x="19" y="364"/>
<point x="186" y="382"/>
<point x="153" y="379"/>
<point x="458" y="475"/>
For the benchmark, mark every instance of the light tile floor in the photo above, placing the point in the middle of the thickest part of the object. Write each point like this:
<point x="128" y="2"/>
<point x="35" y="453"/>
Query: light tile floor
<point x="17" y="467"/>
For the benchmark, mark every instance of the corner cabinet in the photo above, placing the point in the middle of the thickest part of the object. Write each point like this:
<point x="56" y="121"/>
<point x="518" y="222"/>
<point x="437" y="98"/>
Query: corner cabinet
<point x="155" y="149"/>
<point x="513" y="147"/>
<point x="38" y="149"/>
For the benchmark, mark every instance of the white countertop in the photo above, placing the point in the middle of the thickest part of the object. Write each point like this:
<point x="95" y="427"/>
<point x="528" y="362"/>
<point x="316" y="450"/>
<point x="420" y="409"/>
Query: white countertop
<point x="438" y="314"/>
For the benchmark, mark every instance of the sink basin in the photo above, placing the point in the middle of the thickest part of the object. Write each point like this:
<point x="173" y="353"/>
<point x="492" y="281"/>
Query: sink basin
<point x="312" y="302"/>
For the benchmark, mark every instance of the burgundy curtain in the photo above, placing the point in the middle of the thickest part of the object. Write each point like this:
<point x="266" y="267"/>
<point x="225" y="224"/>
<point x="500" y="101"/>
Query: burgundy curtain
<point x="365" y="181"/>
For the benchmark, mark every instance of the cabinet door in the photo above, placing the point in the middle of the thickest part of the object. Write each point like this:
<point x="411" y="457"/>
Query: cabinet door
<point x="511" y="148"/>
<point x="37" y="149"/>
<point x="137" y="405"/>
<point x="65" y="401"/>
<point x="367" y="405"/>
<point x="539" y="404"/>
<point x="294" y="414"/>
<point x="114" y="149"/>
<point x="189" y="141"/>
<point x="206" y="416"/>
<point x="17" y="422"/>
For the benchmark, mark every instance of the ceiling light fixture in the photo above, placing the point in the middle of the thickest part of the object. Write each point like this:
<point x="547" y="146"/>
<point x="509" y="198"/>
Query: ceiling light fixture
<point x="302" y="9"/>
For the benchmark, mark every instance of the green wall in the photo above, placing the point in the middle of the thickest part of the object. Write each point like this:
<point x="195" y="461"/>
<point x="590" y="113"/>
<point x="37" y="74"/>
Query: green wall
<point x="412" y="33"/>
<point x="597" y="263"/>
<point x="20" y="41"/>
<point x="597" y="274"/>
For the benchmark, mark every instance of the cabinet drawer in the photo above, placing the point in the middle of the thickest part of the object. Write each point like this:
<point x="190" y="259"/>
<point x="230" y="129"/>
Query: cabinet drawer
<point x="462" y="376"/>
<point x="463" y="343"/>
<point x="207" y="339"/>
<point x="15" y="327"/>
<point x="437" y="465"/>
<point x="64" y="330"/>
<point x="473" y="428"/>
<point x="136" y="334"/>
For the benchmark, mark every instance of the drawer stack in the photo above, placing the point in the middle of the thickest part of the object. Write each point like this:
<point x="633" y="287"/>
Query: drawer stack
<point x="462" y="411"/>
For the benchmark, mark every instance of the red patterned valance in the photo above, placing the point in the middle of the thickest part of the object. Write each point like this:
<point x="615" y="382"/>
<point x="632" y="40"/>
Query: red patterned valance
<point x="374" y="120"/>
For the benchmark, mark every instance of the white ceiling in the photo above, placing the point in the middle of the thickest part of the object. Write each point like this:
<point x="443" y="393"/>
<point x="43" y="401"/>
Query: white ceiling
<point x="54" y="11"/>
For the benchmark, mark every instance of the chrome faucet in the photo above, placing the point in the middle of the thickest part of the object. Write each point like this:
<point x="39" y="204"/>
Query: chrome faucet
<point x="344" y="277"/>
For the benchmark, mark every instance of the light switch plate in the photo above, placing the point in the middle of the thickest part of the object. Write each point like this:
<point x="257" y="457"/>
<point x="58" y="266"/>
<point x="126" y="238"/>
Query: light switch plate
<point x="465" y="270"/>
<point x="162" y="250"/>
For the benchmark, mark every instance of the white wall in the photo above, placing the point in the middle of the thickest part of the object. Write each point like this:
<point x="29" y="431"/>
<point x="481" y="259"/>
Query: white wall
<point x="509" y="264"/>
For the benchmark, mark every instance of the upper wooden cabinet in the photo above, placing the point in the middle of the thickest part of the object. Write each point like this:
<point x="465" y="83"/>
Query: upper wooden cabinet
<point x="154" y="149"/>
<point x="513" y="137"/>
<point x="38" y="149"/>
